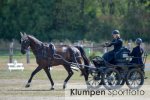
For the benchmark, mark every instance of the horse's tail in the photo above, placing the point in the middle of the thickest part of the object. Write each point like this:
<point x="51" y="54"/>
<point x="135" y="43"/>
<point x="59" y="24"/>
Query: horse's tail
<point x="83" y="54"/>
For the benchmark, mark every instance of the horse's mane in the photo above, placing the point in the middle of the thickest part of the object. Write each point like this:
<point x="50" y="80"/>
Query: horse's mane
<point x="35" y="39"/>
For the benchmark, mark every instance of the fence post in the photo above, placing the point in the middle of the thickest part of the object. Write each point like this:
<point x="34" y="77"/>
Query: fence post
<point x="28" y="55"/>
<point x="11" y="46"/>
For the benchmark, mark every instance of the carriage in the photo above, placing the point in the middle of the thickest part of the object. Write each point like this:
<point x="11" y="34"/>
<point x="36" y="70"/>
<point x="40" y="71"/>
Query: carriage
<point x="113" y="76"/>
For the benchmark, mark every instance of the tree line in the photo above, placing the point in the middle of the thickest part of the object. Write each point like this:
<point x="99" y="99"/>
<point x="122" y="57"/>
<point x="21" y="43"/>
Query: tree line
<point x="74" y="20"/>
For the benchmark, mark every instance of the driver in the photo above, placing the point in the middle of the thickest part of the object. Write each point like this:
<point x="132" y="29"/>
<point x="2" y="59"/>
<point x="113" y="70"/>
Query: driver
<point x="117" y="42"/>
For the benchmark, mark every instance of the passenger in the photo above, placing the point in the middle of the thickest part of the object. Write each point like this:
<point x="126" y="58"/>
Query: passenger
<point x="137" y="52"/>
<point x="117" y="42"/>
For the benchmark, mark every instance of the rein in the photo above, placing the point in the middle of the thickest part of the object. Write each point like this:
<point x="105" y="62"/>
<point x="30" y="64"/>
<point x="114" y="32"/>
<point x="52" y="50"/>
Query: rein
<point x="57" y="56"/>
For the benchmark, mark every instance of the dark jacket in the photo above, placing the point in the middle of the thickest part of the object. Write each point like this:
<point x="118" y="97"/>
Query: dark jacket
<point x="117" y="43"/>
<point x="137" y="53"/>
<point x="109" y="56"/>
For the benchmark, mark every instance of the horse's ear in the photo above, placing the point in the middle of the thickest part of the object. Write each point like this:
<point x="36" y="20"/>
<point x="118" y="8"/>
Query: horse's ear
<point x="21" y="34"/>
<point x="25" y="34"/>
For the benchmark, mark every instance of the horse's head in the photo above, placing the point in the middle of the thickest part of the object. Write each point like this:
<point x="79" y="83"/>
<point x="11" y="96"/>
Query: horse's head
<point x="25" y="43"/>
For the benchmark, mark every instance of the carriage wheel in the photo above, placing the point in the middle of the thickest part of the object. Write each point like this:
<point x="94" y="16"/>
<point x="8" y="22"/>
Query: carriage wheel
<point x="134" y="79"/>
<point x="95" y="79"/>
<point x="111" y="79"/>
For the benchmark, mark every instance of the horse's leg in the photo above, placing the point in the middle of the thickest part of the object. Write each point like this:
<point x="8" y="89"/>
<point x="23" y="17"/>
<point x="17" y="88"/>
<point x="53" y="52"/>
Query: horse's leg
<point x="49" y="76"/>
<point x="33" y="73"/>
<point x="85" y="74"/>
<point x="84" y="71"/>
<point x="70" y="73"/>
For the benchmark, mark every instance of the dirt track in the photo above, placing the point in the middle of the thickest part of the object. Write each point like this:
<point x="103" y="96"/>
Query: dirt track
<point x="13" y="89"/>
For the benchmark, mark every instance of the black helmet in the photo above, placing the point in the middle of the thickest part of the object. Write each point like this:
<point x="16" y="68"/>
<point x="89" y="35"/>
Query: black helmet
<point x="115" y="32"/>
<point x="138" y="41"/>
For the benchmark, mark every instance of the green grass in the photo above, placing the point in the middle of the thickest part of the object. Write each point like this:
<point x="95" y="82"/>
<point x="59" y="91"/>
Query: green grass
<point x="57" y="74"/>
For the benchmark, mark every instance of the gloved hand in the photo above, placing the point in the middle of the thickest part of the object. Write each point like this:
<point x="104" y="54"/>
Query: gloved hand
<point x="105" y="44"/>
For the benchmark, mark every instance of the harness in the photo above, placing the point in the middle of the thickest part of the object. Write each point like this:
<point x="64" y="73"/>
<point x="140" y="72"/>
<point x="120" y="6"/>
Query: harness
<point x="45" y="51"/>
<point x="53" y="50"/>
<point x="48" y="52"/>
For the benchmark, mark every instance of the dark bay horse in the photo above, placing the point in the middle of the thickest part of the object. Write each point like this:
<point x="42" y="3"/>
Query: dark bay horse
<point x="45" y="58"/>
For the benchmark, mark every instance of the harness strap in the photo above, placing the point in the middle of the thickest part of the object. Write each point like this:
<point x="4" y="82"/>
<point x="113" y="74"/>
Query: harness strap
<point x="52" y="48"/>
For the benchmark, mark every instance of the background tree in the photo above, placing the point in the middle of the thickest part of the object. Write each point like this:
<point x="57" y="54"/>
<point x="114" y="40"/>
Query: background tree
<point x="75" y="19"/>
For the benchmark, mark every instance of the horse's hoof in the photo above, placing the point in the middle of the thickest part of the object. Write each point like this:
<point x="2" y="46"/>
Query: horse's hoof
<point x="27" y="85"/>
<point x="52" y="88"/>
<point x="64" y="87"/>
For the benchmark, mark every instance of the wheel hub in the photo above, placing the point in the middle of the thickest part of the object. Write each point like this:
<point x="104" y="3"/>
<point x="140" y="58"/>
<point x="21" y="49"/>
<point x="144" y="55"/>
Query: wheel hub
<point x="110" y="79"/>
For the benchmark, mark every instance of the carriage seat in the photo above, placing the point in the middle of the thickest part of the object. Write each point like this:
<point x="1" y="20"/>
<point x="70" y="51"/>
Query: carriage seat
<point x="122" y="56"/>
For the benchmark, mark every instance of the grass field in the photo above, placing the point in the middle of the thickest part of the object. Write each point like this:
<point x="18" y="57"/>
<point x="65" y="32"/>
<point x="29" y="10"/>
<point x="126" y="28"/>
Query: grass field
<point x="12" y="84"/>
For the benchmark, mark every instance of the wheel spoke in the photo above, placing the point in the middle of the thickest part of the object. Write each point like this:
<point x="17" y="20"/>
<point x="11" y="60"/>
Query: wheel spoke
<point x="138" y="82"/>
<point x="93" y="82"/>
<point x="90" y="80"/>
<point x="114" y="74"/>
<point x="96" y="83"/>
<point x="132" y="83"/>
<point x="113" y="83"/>
<point x="106" y="81"/>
